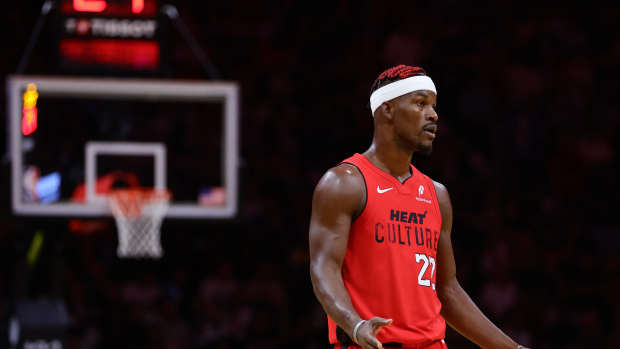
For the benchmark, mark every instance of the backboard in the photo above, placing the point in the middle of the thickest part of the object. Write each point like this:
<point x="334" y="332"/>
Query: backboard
<point x="73" y="139"/>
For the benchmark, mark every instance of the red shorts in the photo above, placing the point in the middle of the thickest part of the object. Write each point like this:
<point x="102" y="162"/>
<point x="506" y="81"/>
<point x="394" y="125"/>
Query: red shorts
<point x="440" y="344"/>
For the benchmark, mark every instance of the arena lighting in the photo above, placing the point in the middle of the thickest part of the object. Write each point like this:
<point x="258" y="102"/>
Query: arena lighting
<point x="29" y="110"/>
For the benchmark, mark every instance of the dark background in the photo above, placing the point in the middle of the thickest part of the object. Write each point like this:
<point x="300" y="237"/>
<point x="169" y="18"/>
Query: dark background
<point x="527" y="147"/>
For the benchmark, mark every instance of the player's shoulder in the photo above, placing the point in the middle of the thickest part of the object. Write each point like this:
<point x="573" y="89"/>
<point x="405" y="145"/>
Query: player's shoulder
<point x="341" y="188"/>
<point x="443" y="197"/>
<point x="343" y="178"/>
<point x="440" y="189"/>
<point x="342" y="183"/>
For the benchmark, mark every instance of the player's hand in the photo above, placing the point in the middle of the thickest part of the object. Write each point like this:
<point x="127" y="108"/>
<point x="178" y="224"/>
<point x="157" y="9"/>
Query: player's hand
<point x="366" y="335"/>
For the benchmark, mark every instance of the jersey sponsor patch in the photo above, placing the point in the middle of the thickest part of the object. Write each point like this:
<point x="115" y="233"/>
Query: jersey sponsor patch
<point x="420" y="194"/>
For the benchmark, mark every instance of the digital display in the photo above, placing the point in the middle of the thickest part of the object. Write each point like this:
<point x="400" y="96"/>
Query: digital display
<point x="119" y="53"/>
<point x="114" y="8"/>
<point x="120" y="34"/>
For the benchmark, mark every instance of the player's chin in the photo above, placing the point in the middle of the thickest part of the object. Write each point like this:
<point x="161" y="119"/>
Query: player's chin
<point x="426" y="148"/>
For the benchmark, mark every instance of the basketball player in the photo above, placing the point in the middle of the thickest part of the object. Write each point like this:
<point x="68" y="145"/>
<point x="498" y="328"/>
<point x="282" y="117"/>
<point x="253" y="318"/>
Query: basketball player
<point x="382" y="263"/>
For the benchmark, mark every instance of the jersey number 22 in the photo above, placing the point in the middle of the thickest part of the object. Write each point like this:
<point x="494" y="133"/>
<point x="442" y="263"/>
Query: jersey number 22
<point x="420" y="257"/>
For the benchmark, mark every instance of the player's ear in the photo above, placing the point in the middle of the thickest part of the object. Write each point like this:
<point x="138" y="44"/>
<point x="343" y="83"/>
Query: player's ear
<point x="387" y="108"/>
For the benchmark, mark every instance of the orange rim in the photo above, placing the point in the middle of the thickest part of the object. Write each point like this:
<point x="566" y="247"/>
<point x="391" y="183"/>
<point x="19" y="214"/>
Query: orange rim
<point x="130" y="201"/>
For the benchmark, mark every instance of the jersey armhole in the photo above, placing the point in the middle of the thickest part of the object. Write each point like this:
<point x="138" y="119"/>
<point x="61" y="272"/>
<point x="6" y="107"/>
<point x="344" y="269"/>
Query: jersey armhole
<point x="356" y="216"/>
<point x="436" y="204"/>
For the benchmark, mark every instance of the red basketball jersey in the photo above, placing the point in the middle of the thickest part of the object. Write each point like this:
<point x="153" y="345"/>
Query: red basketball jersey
<point x="390" y="264"/>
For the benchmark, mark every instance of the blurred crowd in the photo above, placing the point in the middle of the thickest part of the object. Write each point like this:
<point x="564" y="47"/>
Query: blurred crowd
<point x="527" y="146"/>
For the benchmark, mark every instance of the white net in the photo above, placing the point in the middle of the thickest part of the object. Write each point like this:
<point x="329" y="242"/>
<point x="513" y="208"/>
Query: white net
<point x="139" y="214"/>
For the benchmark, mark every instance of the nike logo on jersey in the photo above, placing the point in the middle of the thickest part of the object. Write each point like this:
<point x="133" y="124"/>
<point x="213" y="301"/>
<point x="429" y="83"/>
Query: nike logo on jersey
<point x="381" y="191"/>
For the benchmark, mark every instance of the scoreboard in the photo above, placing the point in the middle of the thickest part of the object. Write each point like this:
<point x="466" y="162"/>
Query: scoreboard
<point x="110" y="34"/>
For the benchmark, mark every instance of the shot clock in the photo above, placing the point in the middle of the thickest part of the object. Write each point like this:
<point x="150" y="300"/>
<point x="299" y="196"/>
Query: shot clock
<point x="110" y="35"/>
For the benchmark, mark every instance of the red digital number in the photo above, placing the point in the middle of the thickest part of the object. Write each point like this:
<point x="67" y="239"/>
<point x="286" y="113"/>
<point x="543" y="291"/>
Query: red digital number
<point x="89" y="5"/>
<point x="137" y="6"/>
<point x="99" y="5"/>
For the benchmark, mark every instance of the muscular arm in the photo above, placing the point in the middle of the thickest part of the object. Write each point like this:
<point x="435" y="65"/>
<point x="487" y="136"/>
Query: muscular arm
<point x="339" y="196"/>
<point x="458" y="309"/>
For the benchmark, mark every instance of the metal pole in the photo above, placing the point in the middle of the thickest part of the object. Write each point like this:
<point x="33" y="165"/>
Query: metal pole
<point x="208" y="66"/>
<point x="45" y="10"/>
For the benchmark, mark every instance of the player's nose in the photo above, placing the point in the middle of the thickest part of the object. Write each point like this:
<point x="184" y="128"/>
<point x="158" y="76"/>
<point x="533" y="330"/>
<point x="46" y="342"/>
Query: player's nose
<point x="432" y="115"/>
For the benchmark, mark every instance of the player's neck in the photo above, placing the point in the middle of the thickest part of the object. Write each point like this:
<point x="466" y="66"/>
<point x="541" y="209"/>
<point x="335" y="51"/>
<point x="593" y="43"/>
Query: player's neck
<point x="389" y="158"/>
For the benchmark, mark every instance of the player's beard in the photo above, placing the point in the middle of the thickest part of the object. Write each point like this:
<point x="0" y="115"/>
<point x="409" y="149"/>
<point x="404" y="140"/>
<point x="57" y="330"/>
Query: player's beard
<point x="425" y="150"/>
<point x="415" y="144"/>
<point x="424" y="146"/>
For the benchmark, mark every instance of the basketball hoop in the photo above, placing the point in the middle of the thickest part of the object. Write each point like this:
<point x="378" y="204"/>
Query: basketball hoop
<point x="138" y="214"/>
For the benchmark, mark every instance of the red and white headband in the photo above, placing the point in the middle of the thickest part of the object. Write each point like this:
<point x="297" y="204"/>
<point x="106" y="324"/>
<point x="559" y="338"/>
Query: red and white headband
<point x="399" y="88"/>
